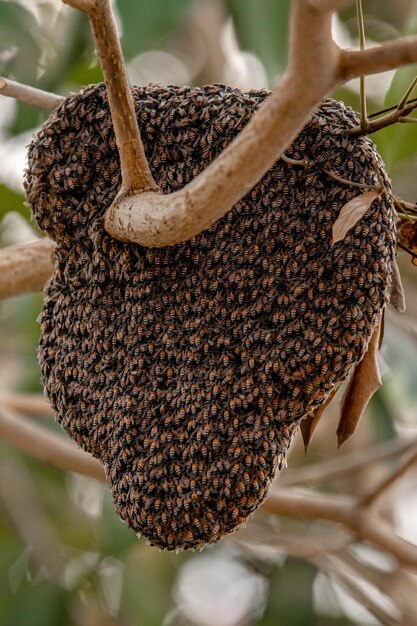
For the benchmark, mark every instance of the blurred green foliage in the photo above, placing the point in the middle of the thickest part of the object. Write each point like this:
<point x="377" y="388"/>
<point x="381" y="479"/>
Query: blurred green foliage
<point x="77" y="593"/>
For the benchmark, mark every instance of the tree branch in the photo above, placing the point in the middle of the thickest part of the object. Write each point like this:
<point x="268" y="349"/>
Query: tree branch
<point x="384" y="121"/>
<point x="374" y="494"/>
<point x="388" y="56"/>
<point x="30" y="95"/>
<point x="343" y="511"/>
<point x="46" y="445"/>
<point x="136" y="175"/>
<point x="25" y="267"/>
<point x="53" y="449"/>
<point x="316" y="66"/>
<point x="30" y="403"/>
<point x="348" y="577"/>
<point x="154" y="220"/>
<point x="344" y="465"/>
<point x="140" y="213"/>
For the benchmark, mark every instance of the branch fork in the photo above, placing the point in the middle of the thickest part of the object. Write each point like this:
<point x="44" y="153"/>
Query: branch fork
<point x="141" y="213"/>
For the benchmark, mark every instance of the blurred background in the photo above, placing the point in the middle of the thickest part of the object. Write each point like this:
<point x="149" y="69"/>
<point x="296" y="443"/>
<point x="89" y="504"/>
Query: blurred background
<point x="65" y="558"/>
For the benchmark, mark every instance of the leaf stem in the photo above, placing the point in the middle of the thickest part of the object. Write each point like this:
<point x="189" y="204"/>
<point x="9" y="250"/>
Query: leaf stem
<point x="362" y="42"/>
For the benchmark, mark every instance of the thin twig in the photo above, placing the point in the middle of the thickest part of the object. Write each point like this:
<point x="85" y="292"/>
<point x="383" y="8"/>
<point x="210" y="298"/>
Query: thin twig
<point x="30" y="95"/>
<point x="261" y="538"/>
<point x="297" y="162"/>
<point x="406" y="98"/>
<point x="381" y="488"/>
<point x="345" y="465"/>
<point x="351" y="183"/>
<point x="25" y="267"/>
<point x="362" y="40"/>
<point x="393" y="117"/>
<point x="46" y="445"/>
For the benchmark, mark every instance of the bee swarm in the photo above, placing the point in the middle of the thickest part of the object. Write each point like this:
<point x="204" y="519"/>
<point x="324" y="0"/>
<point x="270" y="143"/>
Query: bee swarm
<point x="187" y="369"/>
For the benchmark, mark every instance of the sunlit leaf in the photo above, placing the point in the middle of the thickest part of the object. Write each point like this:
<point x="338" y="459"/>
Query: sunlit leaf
<point x="365" y="381"/>
<point x="351" y="213"/>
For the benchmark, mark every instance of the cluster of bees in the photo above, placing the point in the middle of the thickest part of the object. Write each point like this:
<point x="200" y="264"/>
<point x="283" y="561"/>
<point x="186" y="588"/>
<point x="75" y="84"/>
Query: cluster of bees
<point x="187" y="369"/>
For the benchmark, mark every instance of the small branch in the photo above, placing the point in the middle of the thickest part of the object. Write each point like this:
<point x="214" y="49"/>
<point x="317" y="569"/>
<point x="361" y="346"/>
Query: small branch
<point x="47" y="446"/>
<point x="312" y="546"/>
<point x="25" y="267"/>
<point x="406" y="98"/>
<point x="344" y="511"/>
<point x="362" y="39"/>
<point x="351" y="183"/>
<point x="372" y="496"/>
<point x="30" y="95"/>
<point x="136" y="175"/>
<point x="28" y="403"/>
<point x="344" y="465"/>
<point x="379" y="123"/>
<point x="388" y="56"/>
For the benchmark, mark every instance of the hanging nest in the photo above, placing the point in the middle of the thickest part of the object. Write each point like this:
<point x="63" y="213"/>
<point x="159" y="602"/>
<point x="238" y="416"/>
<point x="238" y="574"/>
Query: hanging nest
<point x="186" y="370"/>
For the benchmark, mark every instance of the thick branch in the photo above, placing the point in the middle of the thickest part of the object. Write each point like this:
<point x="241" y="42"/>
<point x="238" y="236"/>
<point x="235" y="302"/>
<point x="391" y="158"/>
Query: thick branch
<point x="316" y="66"/>
<point x="46" y="445"/>
<point x="30" y="95"/>
<point x="25" y="267"/>
<point x="136" y="175"/>
<point x="153" y="220"/>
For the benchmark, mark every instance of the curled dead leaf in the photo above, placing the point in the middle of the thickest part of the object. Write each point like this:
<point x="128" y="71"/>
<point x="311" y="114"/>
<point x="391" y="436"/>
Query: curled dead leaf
<point x="397" y="297"/>
<point x="364" y="382"/>
<point x="309" y="424"/>
<point x="351" y="213"/>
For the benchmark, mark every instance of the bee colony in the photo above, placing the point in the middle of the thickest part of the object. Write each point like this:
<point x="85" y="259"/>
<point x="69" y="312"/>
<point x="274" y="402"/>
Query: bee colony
<point x="186" y="370"/>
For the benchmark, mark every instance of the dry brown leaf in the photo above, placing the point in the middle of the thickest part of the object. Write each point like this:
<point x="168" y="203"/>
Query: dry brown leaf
<point x="309" y="424"/>
<point x="363" y="384"/>
<point x="397" y="297"/>
<point x="381" y="329"/>
<point x="351" y="213"/>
